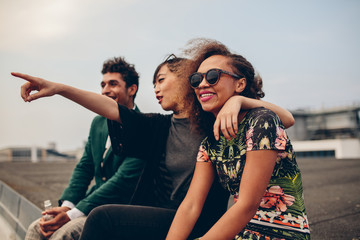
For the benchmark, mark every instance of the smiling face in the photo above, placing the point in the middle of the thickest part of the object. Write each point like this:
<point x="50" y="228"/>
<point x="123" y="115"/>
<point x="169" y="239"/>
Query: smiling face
<point x="114" y="87"/>
<point x="213" y="97"/>
<point x="170" y="92"/>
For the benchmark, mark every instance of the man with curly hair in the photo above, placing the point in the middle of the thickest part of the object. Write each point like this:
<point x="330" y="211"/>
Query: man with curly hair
<point x="116" y="176"/>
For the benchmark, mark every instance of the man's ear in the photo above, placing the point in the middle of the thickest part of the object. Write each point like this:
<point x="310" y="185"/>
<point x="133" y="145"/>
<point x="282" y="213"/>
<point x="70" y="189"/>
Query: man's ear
<point x="132" y="90"/>
<point x="240" y="85"/>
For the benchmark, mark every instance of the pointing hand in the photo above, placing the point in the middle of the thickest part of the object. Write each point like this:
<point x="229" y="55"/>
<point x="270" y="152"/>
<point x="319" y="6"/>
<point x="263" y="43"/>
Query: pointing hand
<point x="43" y="87"/>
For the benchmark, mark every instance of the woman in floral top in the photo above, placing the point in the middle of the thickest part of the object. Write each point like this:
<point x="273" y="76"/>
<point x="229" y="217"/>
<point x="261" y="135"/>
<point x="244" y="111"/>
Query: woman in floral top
<point x="256" y="164"/>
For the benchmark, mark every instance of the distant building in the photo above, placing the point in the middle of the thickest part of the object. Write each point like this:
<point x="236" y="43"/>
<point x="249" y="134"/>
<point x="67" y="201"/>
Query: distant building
<point x="77" y="153"/>
<point x="34" y="154"/>
<point x="328" y="132"/>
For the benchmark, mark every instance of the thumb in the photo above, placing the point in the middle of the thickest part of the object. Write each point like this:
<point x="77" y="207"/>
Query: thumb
<point x="34" y="96"/>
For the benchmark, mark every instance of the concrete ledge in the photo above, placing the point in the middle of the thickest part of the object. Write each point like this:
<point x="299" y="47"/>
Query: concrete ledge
<point x="16" y="210"/>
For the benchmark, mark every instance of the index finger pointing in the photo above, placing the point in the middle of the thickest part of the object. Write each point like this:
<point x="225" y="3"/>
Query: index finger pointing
<point x="24" y="76"/>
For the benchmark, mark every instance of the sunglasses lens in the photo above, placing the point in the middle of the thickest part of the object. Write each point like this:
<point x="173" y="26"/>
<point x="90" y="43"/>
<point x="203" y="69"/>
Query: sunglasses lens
<point x="212" y="76"/>
<point x="195" y="79"/>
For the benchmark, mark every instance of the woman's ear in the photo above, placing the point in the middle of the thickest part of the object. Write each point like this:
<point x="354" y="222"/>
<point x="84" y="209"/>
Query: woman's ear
<point x="240" y="85"/>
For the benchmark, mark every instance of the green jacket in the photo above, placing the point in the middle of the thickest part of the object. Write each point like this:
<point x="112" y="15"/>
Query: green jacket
<point x="115" y="176"/>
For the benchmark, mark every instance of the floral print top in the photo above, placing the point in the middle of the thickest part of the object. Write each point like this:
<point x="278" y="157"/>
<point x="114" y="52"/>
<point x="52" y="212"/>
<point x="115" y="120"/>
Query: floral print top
<point x="282" y="205"/>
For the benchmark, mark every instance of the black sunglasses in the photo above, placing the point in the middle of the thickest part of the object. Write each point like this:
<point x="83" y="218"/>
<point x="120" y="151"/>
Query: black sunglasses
<point x="170" y="58"/>
<point x="212" y="77"/>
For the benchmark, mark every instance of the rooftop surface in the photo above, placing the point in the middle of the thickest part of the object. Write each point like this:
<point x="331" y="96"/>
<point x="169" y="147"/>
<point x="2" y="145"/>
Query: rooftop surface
<point x="331" y="189"/>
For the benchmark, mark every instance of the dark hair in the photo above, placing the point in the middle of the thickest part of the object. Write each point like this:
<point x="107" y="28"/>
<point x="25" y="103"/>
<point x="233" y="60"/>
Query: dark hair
<point x="179" y="66"/>
<point x="127" y="71"/>
<point x="200" y="49"/>
<point x="182" y="68"/>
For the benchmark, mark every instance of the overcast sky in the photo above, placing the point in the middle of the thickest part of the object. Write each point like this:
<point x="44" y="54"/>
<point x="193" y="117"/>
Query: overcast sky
<point x="307" y="52"/>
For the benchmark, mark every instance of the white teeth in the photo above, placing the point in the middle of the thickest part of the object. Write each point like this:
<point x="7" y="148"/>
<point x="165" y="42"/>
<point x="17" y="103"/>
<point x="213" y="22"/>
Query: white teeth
<point x="206" y="95"/>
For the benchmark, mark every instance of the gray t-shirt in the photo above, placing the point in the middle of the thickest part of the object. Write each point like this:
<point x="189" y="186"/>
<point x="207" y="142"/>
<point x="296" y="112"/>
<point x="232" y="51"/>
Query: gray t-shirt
<point x="181" y="150"/>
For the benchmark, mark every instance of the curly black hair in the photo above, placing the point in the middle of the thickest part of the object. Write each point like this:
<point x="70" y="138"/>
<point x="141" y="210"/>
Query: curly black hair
<point x="127" y="71"/>
<point x="200" y="49"/>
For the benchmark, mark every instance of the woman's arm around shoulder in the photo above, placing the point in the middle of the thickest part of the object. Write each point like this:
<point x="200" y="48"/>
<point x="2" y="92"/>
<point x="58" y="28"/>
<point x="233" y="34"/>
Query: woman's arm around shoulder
<point x="227" y="119"/>
<point x="285" y="116"/>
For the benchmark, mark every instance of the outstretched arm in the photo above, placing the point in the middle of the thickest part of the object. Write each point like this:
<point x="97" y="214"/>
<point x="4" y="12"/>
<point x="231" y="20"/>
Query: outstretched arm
<point x="97" y="103"/>
<point x="227" y="119"/>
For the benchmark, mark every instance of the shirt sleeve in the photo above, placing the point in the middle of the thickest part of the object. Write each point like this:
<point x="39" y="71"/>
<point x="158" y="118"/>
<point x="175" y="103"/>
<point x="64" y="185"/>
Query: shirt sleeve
<point x="119" y="189"/>
<point x="68" y="204"/>
<point x="74" y="213"/>
<point x="265" y="132"/>
<point x="138" y="134"/>
<point x="202" y="155"/>
<point x="81" y="177"/>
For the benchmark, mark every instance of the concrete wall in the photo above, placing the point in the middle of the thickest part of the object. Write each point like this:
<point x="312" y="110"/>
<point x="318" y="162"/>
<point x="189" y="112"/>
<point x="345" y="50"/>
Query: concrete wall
<point x="16" y="212"/>
<point x="344" y="148"/>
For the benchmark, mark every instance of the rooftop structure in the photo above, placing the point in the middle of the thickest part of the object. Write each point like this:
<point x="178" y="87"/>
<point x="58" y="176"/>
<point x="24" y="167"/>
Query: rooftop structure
<point x="34" y="154"/>
<point x="333" y="123"/>
<point x="327" y="132"/>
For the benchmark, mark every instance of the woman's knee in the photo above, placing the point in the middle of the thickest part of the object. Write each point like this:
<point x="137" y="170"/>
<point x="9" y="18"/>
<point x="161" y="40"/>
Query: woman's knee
<point x="97" y="215"/>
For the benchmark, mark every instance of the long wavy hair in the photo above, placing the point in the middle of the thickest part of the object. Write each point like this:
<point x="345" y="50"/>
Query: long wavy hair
<point x="200" y="49"/>
<point x="182" y="68"/>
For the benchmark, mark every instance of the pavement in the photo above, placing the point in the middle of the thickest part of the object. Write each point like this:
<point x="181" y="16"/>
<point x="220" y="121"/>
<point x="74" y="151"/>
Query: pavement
<point x="37" y="181"/>
<point x="332" y="197"/>
<point x="331" y="191"/>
